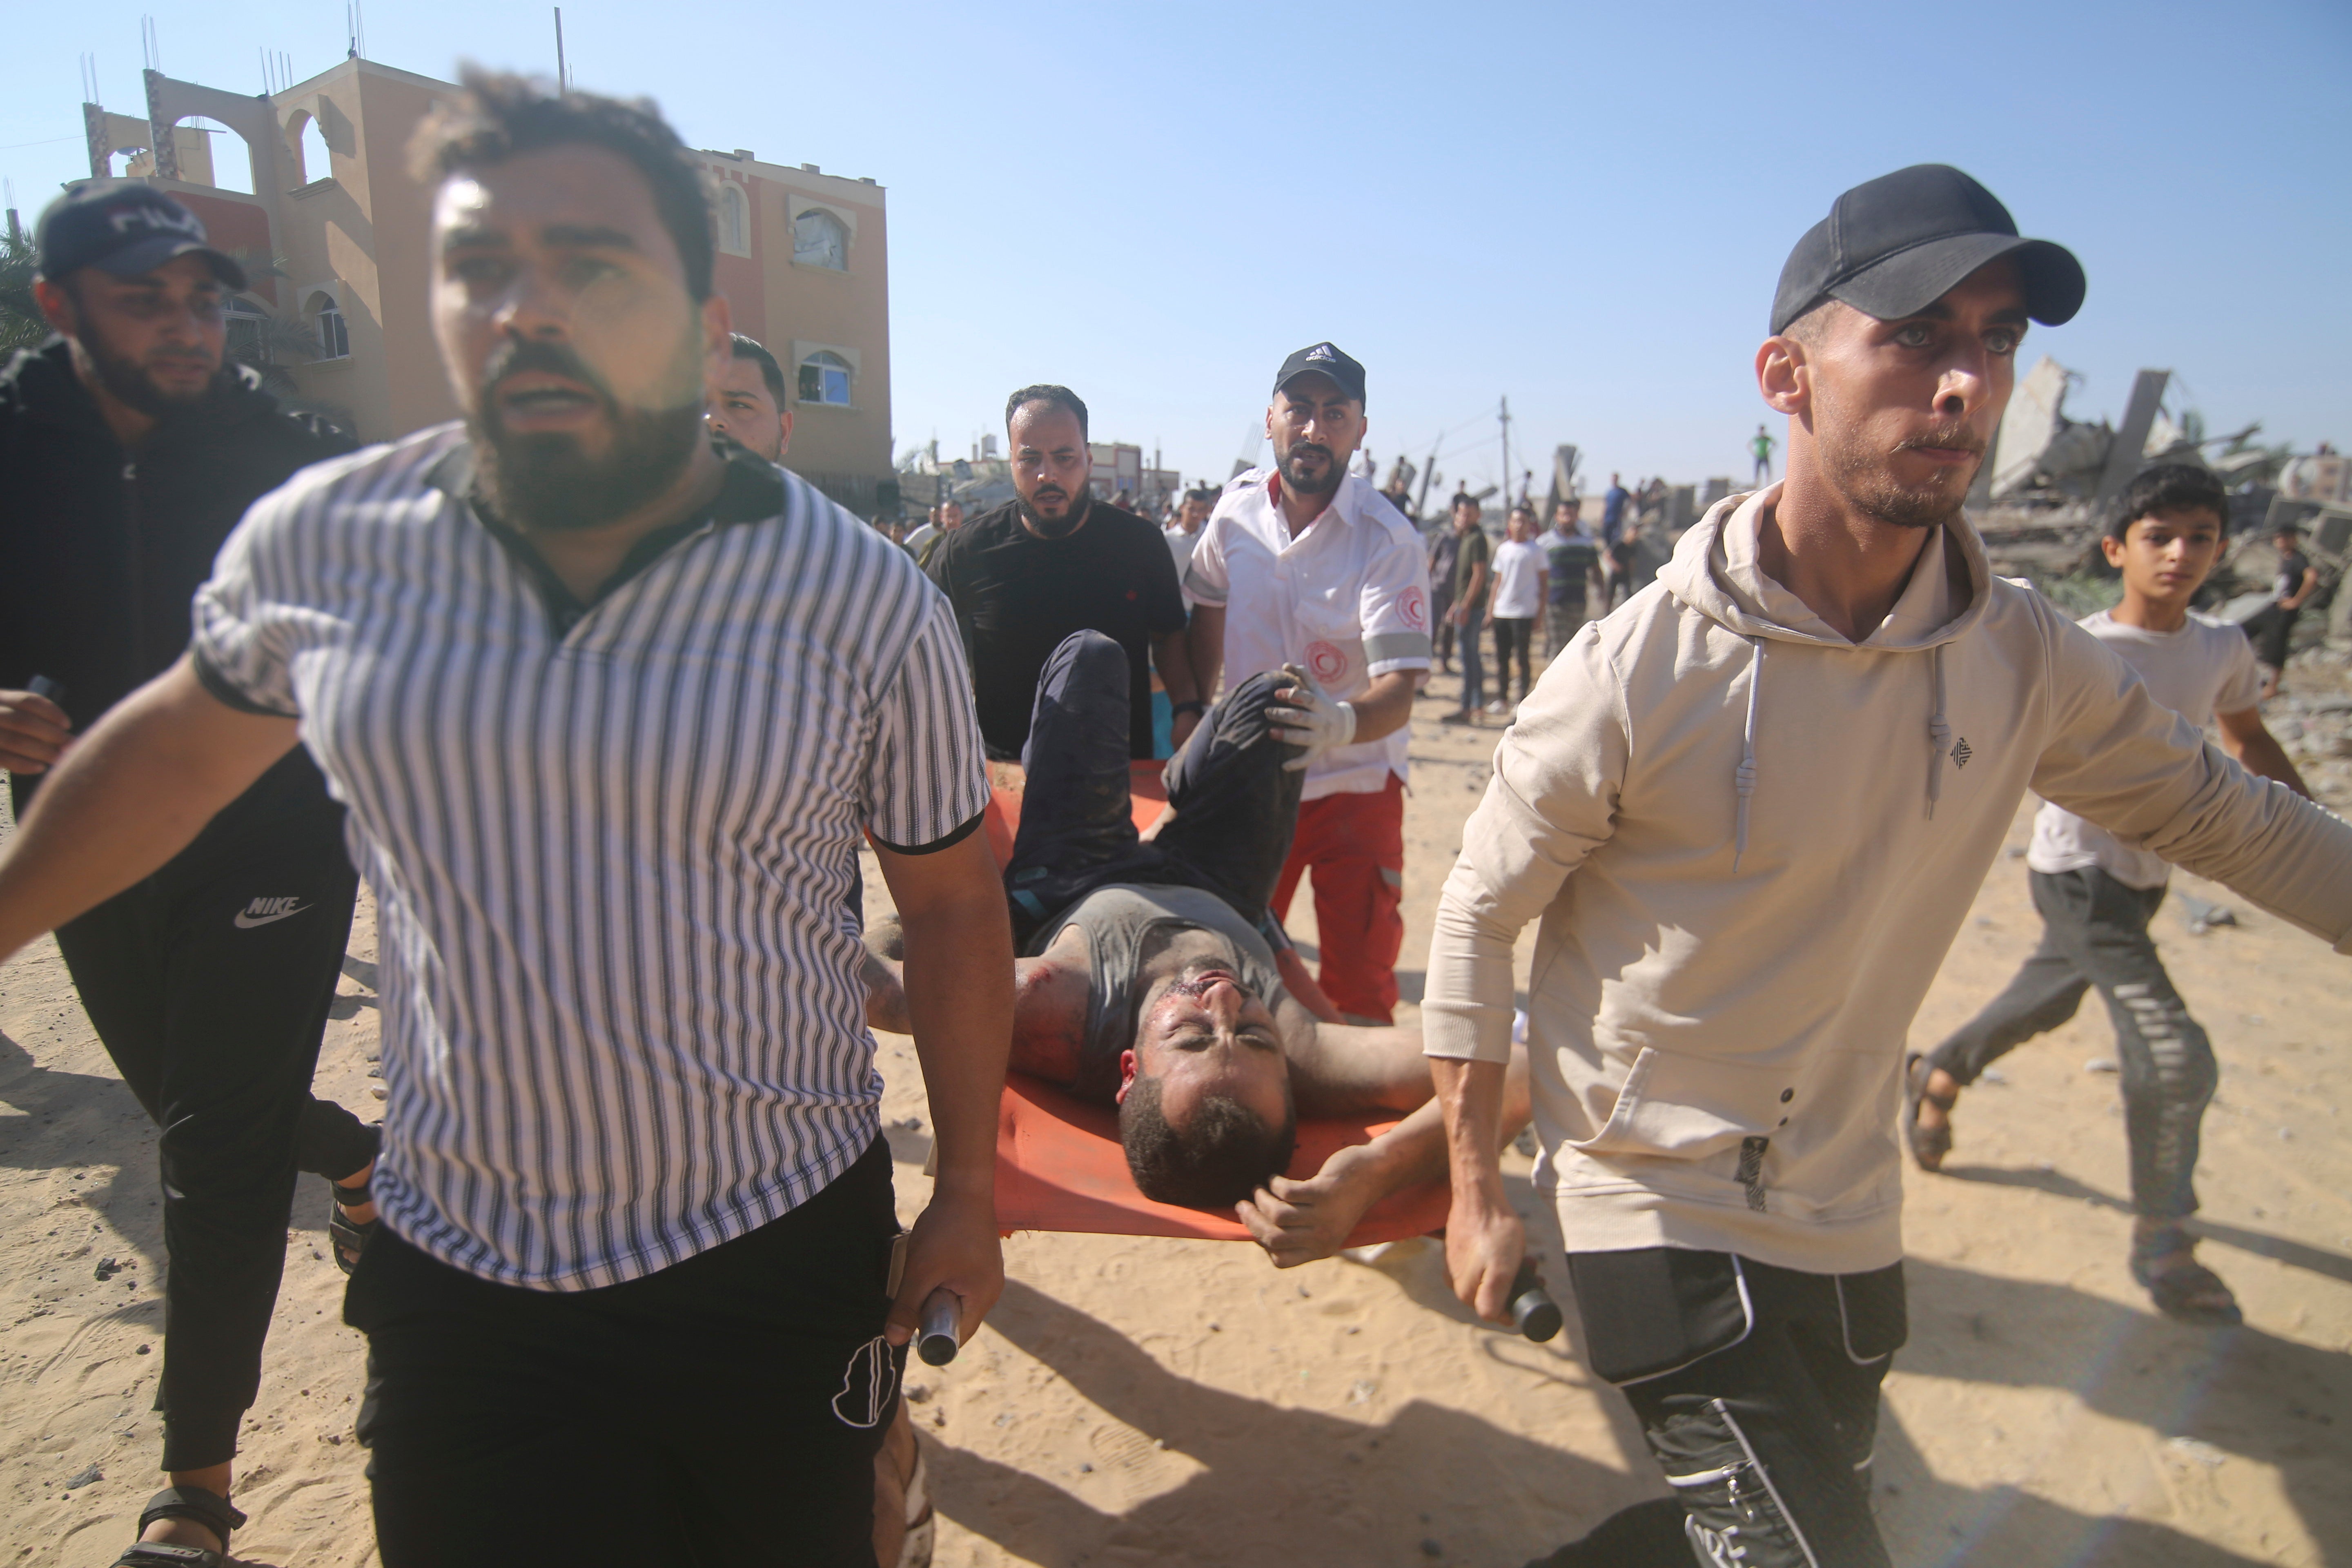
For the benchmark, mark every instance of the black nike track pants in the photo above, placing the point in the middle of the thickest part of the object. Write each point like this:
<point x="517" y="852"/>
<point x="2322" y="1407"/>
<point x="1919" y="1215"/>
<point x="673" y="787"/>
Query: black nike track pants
<point x="209" y="985"/>
<point x="1757" y="1390"/>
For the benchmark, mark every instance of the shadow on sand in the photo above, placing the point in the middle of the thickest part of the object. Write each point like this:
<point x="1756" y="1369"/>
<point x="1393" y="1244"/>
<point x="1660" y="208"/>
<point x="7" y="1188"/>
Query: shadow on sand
<point x="1285" y="1488"/>
<point x="2295" y="1254"/>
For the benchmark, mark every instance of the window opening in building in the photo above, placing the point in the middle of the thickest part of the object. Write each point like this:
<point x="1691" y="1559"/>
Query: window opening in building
<point x="824" y="378"/>
<point x="313" y="143"/>
<point x="820" y="239"/>
<point x="734" y="221"/>
<point x="328" y="325"/>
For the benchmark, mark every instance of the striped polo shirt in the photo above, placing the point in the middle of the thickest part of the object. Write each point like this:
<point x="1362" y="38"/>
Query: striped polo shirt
<point x="614" y="845"/>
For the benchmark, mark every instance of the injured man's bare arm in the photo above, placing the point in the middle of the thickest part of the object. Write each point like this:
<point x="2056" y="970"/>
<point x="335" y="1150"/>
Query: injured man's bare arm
<point x="1160" y="1001"/>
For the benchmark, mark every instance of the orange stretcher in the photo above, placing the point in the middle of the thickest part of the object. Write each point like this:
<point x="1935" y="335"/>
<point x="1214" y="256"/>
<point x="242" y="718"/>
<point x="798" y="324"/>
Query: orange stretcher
<point x="1059" y="1166"/>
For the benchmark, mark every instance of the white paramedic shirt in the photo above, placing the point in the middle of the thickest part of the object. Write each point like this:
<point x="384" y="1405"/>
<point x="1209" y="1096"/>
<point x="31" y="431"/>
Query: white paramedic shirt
<point x="1346" y="600"/>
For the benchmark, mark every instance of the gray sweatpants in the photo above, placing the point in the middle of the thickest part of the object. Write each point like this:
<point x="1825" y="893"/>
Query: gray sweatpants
<point x="2094" y="933"/>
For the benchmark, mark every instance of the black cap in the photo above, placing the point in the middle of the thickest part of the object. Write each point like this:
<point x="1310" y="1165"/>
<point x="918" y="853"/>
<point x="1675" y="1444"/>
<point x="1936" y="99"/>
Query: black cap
<point x="125" y="227"/>
<point x="1896" y="245"/>
<point x="1324" y="358"/>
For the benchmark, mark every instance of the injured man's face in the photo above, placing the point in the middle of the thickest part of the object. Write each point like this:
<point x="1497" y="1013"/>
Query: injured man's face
<point x="1205" y="1103"/>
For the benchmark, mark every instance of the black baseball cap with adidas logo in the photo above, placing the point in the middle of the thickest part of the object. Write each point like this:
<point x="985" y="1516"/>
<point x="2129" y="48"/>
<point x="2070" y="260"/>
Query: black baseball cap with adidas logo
<point x="1894" y="246"/>
<point x="126" y="227"/>
<point x="1323" y="359"/>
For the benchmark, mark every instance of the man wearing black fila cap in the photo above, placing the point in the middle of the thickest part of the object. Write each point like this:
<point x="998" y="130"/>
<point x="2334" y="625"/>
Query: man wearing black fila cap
<point x="1306" y="567"/>
<point x="128" y="450"/>
<point x="1751" y="810"/>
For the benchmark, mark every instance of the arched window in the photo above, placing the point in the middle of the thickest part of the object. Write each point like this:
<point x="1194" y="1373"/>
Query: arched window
<point x="313" y="144"/>
<point x="820" y="239"/>
<point x="824" y="378"/>
<point x="327" y="325"/>
<point x="734" y="220"/>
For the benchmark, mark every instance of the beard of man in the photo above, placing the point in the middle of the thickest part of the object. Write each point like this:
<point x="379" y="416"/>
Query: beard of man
<point x="545" y="480"/>
<point x="1294" y="473"/>
<point x="126" y="380"/>
<point x="1866" y="477"/>
<point x="1060" y="527"/>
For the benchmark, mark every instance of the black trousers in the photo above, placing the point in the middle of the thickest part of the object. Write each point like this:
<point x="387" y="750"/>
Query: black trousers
<point x="724" y="1410"/>
<point x="1757" y="1390"/>
<point x="209" y="985"/>
<point x="1513" y="635"/>
<point x="1236" y="804"/>
<point x="2094" y="933"/>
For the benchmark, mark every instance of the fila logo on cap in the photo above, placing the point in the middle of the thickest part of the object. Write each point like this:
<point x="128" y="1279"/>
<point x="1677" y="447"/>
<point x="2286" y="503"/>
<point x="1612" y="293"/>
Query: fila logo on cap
<point x="176" y="218"/>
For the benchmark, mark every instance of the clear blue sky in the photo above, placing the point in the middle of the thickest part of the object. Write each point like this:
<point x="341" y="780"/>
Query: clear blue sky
<point x="1583" y="207"/>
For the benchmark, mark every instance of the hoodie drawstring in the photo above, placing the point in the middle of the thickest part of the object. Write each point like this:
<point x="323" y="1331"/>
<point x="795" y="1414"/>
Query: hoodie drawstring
<point x="1745" y="778"/>
<point x="1939" y="732"/>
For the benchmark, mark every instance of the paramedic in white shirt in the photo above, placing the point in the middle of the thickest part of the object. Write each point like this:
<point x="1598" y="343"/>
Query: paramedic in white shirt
<point x="1307" y="565"/>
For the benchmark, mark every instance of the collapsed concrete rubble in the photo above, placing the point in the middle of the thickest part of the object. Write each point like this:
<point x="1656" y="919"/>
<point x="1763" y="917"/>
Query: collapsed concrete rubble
<point x="2041" y="457"/>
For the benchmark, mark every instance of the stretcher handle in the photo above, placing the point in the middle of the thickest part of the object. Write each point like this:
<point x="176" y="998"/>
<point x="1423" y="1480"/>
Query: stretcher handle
<point x="1533" y="1312"/>
<point x="942" y="1315"/>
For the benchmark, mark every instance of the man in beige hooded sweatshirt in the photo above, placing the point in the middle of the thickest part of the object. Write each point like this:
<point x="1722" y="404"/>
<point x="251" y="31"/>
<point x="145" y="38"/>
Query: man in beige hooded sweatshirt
<point x="1750" y="809"/>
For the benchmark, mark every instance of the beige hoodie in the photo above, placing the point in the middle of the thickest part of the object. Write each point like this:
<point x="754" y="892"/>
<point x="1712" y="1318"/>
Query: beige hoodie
<point x="1750" y="843"/>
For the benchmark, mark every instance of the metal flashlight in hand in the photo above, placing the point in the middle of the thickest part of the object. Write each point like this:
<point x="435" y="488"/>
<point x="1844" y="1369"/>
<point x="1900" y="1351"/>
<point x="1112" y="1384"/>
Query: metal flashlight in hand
<point x="1533" y="1312"/>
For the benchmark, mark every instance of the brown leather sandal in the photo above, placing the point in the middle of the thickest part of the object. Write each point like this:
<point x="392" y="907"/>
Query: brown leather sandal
<point x="1927" y="1146"/>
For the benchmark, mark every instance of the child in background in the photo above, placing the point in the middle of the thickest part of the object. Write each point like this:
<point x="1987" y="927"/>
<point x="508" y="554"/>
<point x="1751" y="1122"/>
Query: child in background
<point x="2097" y="894"/>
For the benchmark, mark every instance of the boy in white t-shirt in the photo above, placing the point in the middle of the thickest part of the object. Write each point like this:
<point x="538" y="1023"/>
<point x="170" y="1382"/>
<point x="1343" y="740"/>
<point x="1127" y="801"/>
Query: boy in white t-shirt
<point x="2097" y="894"/>
<point x="1521" y="570"/>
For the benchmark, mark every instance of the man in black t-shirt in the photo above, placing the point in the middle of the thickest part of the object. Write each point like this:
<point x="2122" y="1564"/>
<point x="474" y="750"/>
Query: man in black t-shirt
<point x="1053" y="562"/>
<point x="2270" y="629"/>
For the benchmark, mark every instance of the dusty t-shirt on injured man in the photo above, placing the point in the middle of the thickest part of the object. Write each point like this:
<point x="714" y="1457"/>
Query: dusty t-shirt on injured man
<point x="1125" y="925"/>
<point x="2205" y="667"/>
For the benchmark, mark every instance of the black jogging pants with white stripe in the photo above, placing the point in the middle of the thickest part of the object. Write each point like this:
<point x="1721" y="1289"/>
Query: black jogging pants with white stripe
<point x="1757" y="1390"/>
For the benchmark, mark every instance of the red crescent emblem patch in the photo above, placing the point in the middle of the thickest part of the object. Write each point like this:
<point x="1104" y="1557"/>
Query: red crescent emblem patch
<point x="1326" y="663"/>
<point x="1413" y="608"/>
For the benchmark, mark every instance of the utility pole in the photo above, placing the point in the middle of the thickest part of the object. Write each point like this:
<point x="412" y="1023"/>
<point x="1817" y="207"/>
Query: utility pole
<point x="562" y="78"/>
<point x="1506" y="417"/>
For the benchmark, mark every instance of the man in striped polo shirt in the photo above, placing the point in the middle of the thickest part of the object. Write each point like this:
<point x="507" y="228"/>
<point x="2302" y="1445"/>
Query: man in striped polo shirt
<point x="611" y="713"/>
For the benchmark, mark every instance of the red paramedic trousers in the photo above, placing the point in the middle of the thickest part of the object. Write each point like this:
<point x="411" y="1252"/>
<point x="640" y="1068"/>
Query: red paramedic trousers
<point x="1356" y="845"/>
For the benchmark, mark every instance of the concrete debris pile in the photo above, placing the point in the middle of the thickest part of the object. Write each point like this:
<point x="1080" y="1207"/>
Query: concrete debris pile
<point x="2039" y="457"/>
<point x="2312" y="716"/>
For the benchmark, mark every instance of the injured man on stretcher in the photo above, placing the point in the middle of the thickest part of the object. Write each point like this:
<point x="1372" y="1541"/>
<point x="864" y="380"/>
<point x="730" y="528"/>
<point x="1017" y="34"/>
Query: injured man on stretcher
<point x="1149" y="978"/>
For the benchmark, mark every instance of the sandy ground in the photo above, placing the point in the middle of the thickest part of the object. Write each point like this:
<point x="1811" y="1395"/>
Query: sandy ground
<point x="1145" y="1401"/>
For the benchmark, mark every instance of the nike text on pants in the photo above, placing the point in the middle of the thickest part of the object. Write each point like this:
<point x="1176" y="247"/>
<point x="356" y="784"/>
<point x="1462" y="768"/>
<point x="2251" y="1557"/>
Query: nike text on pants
<point x="209" y="985"/>
<point x="1355" y="843"/>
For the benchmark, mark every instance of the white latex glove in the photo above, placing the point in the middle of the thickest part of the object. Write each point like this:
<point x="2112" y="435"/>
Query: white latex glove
<point x="1317" y="721"/>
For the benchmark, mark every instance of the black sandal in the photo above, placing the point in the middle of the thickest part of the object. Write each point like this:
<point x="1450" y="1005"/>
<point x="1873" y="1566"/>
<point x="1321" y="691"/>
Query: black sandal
<point x="2185" y="1292"/>
<point x="346" y="1235"/>
<point x="1928" y="1149"/>
<point x="209" y="1508"/>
